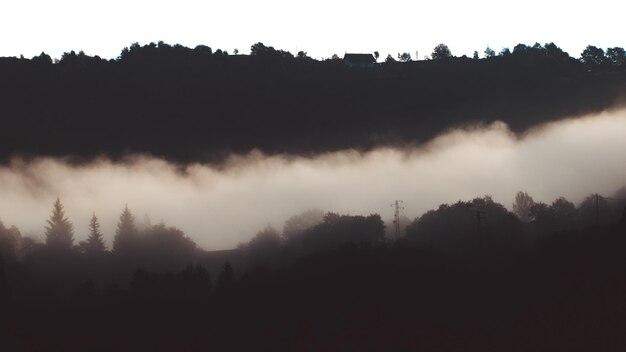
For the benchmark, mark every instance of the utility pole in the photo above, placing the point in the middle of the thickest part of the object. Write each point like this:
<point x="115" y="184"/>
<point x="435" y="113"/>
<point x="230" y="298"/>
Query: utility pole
<point x="396" y="216"/>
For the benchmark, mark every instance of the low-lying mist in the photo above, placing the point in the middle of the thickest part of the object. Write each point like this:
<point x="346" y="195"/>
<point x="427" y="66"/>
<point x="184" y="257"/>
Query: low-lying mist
<point x="220" y="206"/>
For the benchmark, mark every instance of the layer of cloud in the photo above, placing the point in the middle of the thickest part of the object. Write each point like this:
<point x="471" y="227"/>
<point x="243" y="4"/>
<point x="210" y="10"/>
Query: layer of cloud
<point x="221" y="206"/>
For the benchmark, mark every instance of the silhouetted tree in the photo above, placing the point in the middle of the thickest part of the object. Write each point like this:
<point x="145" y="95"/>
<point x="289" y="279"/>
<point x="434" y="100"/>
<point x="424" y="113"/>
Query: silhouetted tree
<point x="298" y="224"/>
<point x="226" y="279"/>
<point x="60" y="231"/>
<point x="520" y="49"/>
<point x="95" y="240"/>
<point x="441" y="51"/>
<point x="541" y="214"/>
<point x="125" y="240"/>
<point x="595" y="209"/>
<point x="203" y="50"/>
<point x="71" y="59"/>
<point x="376" y="55"/>
<point x="162" y="247"/>
<point x="560" y="215"/>
<point x="593" y="56"/>
<point x="457" y="225"/>
<point x="404" y="57"/>
<point x="389" y="59"/>
<point x="523" y="205"/>
<point x="564" y="209"/>
<point x="489" y="52"/>
<point x="337" y="230"/>
<point x="263" y="247"/>
<point x="555" y="52"/>
<point x="616" y="56"/>
<point x="42" y="59"/>
<point x="475" y="56"/>
<point x="9" y="242"/>
<point x="505" y="52"/>
<point x="259" y="49"/>
<point x="28" y="246"/>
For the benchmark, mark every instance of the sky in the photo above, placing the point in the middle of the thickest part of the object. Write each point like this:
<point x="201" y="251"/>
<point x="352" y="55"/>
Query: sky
<point x="219" y="207"/>
<point x="320" y="28"/>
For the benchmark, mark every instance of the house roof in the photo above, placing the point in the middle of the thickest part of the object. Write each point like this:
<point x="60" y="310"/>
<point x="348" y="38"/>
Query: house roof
<point x="360" y="58"/>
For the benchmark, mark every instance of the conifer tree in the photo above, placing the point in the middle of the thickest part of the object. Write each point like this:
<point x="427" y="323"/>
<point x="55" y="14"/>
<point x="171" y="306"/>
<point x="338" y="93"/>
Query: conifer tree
<point x="95" y="240"/>
<point x="126" y="233"/>
<point x="10" y="239"/>
<point x="60" y="231"/>
<point x="226" y="278"/>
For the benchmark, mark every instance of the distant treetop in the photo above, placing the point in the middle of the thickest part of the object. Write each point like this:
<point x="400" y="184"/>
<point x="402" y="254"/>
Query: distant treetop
<point x="59" y="231"/>
<point x="441" y="51"/>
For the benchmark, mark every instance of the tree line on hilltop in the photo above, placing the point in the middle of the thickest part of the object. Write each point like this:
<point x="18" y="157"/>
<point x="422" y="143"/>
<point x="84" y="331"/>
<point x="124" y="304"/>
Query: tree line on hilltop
<point x="200" y="104"/>
<point x="591" y="56"/>
<point x="452" y="228"/>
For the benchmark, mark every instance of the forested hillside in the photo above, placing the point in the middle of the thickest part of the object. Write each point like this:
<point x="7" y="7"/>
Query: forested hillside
<point x="197" y="104"/>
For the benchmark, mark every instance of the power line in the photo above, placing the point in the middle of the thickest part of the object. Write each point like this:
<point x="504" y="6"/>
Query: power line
<point x="396" y="216"/>
<point x="597" y="205"/>
<point x="614" y="199"/>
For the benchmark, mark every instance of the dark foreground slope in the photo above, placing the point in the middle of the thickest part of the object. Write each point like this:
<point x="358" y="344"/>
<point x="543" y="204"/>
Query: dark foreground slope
<point x="192" y="104"/>
<point x="336" y="286"/>
<point x="565" y="293"/>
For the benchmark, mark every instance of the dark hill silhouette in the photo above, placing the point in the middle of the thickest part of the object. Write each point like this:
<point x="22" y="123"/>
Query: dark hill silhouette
<point x="199" y="105"/>
<point x="551" y="280"/>
<point x="564" y="292"/>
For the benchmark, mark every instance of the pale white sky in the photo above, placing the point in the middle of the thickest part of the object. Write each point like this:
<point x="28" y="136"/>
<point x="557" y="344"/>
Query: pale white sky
<point x="321" y="27"/>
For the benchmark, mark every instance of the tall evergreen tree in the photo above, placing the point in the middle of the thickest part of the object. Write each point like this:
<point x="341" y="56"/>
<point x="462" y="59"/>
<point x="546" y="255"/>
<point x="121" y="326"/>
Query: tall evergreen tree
<point x="8" y="243"/>
<point x="95" y="240"/>
<point x="126" y="233"/>
<point x="226" y="278"/>
<point x="60" y="231"/>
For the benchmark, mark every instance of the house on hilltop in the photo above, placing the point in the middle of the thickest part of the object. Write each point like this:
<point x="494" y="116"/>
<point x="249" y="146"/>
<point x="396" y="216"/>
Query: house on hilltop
<point x="359" y="60"/>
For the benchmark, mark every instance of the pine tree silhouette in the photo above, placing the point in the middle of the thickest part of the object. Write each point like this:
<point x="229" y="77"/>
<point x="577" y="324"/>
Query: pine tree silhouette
<point x="60" y="231"/>
<point x="126" y="233"/>
<point x="8" y="243"/>
<point x="95" y="240"/>
<point x="226" y="279"/>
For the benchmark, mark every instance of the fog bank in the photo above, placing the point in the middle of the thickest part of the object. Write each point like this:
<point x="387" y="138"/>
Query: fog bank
<point x="221" y="206"/>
